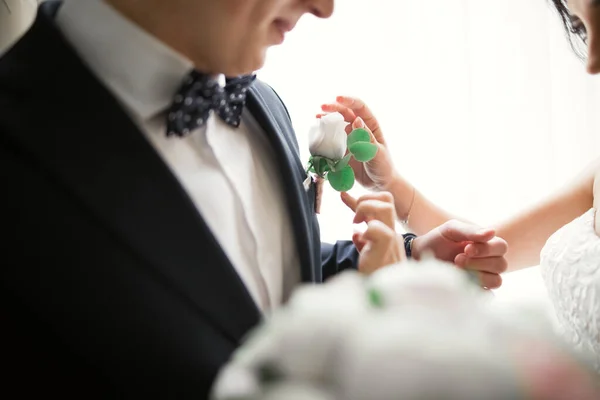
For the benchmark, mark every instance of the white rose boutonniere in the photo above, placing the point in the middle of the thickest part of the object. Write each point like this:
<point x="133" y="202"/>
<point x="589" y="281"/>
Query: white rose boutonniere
<point x="331" y="150"/>
<point x="327" y="138"/>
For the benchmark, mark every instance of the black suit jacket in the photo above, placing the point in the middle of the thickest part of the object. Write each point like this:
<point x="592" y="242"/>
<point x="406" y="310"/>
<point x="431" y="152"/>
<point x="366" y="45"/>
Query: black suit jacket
<point x="112" y="283"/>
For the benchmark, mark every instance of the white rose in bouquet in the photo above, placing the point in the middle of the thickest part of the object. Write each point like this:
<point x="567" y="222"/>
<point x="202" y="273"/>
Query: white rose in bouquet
<point x="412" y="331"/>
<point x="424" y="284"/>
<point x="413" y="359"/>
<point x="327" y="137"/>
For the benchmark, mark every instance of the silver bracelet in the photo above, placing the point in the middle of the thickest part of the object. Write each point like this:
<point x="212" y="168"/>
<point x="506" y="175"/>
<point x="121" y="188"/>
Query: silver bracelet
<point x="412" y="202"/>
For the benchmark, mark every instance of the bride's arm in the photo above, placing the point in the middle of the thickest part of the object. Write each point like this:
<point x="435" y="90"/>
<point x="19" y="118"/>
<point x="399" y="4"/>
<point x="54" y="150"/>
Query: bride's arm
<point x="526" y="233"/>
<point x="421" y="214"/>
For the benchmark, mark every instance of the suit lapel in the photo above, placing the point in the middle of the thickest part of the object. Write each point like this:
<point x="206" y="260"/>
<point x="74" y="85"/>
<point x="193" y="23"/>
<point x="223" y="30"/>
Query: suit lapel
<point x="292" y="177"/>
<point x="93" y="149"/>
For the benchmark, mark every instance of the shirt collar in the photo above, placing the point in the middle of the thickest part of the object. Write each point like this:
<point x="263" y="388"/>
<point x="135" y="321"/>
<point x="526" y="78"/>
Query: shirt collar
<point x="141" y="71"/>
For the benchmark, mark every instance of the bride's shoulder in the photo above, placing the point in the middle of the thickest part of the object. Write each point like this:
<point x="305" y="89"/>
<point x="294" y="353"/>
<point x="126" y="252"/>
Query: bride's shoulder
<point x="590" y="178"/>
<point x="593" y="171"/>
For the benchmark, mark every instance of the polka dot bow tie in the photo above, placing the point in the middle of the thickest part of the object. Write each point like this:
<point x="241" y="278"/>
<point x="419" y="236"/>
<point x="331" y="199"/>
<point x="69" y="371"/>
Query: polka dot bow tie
<point x="199" y="94"/>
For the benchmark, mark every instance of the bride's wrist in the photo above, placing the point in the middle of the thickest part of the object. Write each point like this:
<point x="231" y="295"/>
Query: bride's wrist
<point x="393" y="184"/>
<point x="404" y="196"/>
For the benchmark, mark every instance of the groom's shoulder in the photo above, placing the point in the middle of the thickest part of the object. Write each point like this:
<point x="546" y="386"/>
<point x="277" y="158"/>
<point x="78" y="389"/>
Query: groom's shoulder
<point x="272" y="99"/>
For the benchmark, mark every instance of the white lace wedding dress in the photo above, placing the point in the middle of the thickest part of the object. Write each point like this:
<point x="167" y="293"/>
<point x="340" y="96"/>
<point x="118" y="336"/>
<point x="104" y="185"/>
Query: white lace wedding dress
<point x="570" y="265"/>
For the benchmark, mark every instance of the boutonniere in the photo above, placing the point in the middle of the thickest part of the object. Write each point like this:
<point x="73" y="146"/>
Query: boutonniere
<point x="332" y="150"/>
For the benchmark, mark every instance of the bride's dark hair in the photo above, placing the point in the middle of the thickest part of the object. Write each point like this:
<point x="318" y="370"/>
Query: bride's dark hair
<point x="563" y="11"/>
<point x="574" y="38"/>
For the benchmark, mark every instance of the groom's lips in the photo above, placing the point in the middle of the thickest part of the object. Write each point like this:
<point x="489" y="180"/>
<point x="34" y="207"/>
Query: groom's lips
<point x="282" y="26"/>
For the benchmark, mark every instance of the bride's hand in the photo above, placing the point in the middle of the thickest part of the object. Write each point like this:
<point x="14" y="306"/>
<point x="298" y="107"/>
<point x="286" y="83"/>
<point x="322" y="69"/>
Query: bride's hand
<point x="379" y="245"/>
<point x="378" y="173"/>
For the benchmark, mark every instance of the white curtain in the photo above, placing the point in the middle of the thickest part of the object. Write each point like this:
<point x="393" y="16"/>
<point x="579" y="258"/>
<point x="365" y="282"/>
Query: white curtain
<point x="485" y="106"/>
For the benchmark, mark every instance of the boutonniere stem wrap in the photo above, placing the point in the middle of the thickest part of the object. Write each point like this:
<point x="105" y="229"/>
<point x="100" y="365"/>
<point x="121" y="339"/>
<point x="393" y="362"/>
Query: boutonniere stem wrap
<point x="332" y="151"/>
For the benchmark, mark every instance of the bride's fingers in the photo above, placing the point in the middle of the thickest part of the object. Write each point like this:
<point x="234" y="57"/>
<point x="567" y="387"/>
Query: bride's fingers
<point x="347" y="113"/>
<point x="358" y="106"/>
<point x="358" y="243"/>
<point x="358" y="124"/>
<point x="385" y="197"/>
<point x="360" y="109"/>
<point x="350" y="201"/>
<point x="488" y="280"/>
<point x="376" y="210"/>
<point x="379" y="206"/>
<point x="382" y="247"/>
<point x="494" y="248"/>
<point x="494" y="265"/>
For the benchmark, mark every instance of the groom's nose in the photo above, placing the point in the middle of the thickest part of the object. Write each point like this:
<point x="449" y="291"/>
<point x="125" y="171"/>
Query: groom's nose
<point x="593" y="56"/>
<point x="593" y="64"/>
<point x="321" y="8"/>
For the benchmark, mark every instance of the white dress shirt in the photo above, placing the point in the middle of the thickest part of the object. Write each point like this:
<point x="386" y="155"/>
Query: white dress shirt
<point x="229" y="173"/>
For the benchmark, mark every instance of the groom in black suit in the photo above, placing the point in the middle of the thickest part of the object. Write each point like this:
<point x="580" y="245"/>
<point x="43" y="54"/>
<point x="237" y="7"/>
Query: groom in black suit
<point x="153" y="212"/>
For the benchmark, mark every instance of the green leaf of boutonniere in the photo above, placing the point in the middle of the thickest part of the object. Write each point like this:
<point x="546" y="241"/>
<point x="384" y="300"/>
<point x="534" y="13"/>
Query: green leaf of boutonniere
<point x="363" y="151"/>
<point x="358" y="135"/>
<point x="342" y="180"/>
<point x="331" y="164"/>
<point x="343" y="163"/>
<point x="319" y="165"/>
<point x="359" y="144"/>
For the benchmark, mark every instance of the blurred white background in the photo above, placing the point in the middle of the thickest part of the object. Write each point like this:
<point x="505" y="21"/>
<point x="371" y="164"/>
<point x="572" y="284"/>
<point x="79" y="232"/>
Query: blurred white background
<point x="485" y="106"/>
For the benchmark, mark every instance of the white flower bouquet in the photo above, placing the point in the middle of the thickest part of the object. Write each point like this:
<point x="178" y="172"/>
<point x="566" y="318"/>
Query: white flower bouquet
<point x="413" y="331"/>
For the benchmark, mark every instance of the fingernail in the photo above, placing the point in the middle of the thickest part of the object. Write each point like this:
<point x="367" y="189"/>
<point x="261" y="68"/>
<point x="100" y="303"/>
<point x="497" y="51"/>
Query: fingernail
<point x="471" y="250"/>
<point x="359" y="123"/>
<point x="483" y="232"/>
